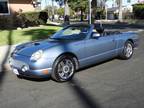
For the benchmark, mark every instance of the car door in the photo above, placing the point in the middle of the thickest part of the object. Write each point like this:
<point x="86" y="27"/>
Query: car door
<point x="99" y="49"/>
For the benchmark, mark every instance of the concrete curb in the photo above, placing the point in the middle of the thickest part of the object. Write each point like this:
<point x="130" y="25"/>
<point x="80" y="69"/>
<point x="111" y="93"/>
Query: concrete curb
<point x="3" y="51"/>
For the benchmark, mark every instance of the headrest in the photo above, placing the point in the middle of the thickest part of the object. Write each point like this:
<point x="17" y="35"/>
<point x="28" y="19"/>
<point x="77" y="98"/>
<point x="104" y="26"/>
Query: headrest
<point x="99" y="28"/>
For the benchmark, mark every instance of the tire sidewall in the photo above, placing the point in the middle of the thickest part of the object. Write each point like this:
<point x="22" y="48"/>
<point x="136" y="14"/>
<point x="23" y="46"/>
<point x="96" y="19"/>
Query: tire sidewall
<point x="55" y="74"/>
<point x="124" y="51"/>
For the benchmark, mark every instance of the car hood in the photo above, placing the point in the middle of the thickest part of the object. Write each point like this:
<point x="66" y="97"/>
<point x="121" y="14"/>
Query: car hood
<point x="27" y="49"/>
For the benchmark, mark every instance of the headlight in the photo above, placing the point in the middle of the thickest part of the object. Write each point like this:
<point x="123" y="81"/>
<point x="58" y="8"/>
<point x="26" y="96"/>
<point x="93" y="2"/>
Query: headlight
<point x="36" y="56"/>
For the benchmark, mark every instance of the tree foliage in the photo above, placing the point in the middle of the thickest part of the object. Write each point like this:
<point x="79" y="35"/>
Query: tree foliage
<point x="78" y="4"/>
<point x="138" y="10"/>
<point x="60" y="11"/>
<point x="49" y="9"/>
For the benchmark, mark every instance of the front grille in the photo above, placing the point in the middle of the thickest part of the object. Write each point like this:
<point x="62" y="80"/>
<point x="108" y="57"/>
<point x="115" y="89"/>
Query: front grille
<point x="17" y="64"/>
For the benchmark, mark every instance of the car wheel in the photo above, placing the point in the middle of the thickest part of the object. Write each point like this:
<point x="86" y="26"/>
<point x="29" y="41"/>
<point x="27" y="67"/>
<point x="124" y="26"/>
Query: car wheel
<point x="127" y="51"/>
<point x="64" y="68"/>
<point x="19" y="76"/>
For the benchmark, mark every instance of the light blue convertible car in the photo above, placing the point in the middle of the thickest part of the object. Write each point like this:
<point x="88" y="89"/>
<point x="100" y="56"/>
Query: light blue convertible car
<point x="70" y="49"/>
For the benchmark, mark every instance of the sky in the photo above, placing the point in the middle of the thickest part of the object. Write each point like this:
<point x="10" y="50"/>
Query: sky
<point x="109" y="3"/>
<point x="45" y="3"/>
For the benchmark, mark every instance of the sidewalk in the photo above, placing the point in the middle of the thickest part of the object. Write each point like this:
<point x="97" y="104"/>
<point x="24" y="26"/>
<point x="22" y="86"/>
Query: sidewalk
<point x="3" y="53"/>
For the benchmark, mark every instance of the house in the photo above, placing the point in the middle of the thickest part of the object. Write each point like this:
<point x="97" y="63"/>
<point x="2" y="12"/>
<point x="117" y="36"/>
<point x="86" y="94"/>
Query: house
<point x="113" y="9"/>
<point x="8" y="8"/>
<point x="140" y="1"/>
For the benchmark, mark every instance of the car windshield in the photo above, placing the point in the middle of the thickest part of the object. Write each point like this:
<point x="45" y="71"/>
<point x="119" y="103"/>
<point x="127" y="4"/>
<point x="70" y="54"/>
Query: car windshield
<point x="72" y="33"/>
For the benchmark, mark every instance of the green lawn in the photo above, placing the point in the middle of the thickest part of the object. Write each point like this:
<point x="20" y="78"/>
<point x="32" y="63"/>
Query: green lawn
<point x="25" y="35"/>
<point x="136" y="21"/>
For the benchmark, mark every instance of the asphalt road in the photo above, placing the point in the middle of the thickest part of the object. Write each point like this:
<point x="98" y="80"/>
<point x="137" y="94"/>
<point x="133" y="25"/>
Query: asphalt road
<point x="112" y="84"/>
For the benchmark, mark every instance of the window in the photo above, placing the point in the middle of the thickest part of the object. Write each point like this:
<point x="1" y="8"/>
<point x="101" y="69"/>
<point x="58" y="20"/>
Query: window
<point x="72" y="33"/>
<point x="4" y="9"/>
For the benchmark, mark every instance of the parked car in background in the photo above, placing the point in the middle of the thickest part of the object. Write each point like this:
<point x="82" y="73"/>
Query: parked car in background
<point x="70" y="49"/>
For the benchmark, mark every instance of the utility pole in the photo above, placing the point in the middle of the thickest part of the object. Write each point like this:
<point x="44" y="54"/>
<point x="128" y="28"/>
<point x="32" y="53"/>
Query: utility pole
<point x="90" y="11"/>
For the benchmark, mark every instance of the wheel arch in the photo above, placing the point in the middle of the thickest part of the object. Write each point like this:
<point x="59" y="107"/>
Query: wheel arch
<point x="74" y="57"/>
<point x="131" y="40"/>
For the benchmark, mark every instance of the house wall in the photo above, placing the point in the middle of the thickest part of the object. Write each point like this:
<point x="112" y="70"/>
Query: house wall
<point x="24" y="5"/>
<point x="7" y="19"/>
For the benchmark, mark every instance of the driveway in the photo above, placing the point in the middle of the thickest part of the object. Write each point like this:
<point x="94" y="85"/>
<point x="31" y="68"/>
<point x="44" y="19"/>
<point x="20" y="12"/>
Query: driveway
<point x="5" y="54"/>
<point x="112" y="84"/>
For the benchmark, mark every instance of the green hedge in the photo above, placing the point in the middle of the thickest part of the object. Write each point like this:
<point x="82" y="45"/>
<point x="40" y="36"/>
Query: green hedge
<point x="138" y="10"/>
<point x="5" y="22"/>
<point x="31" y="19"/>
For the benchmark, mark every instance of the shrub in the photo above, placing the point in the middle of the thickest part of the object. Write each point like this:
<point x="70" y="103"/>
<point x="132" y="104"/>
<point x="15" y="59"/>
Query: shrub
<point x="138" y="10"/>
<point x="31" y="19"/>
<point x="5" y="22"/>
<point x="43" y="16"/>
<point x="99" y="13"/>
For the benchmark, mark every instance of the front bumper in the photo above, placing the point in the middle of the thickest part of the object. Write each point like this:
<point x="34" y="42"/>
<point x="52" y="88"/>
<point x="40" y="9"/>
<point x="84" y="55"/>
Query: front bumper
<point x="23" y="69"/>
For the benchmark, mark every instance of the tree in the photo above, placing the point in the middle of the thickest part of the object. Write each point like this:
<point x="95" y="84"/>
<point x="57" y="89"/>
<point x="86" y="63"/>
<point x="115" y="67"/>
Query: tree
<point x="50" y="10"/>
<point x="79" y="5"/>
<point x="98" y="9"/>
<point x="76" y="5"/>
<point x="60" y="11"/>
<point x="66" y="9"/>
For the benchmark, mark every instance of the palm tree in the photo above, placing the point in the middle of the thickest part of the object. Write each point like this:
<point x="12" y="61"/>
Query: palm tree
<point x="66" y="10"/>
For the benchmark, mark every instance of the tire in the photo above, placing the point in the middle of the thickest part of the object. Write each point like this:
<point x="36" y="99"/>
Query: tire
<point x="19" y="76"/>
<point x="127" y="51"/>
<point x="64" y="68"/>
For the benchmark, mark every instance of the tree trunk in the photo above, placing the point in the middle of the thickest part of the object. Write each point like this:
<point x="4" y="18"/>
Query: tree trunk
<point x="82" y="14"/>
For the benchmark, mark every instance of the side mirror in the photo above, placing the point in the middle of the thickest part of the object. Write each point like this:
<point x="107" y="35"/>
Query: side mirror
<point x="95" y="35"/>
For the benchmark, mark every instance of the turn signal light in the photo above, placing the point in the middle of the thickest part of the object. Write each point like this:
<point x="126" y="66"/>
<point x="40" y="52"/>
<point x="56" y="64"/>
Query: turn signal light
<point x="45" y="72"/>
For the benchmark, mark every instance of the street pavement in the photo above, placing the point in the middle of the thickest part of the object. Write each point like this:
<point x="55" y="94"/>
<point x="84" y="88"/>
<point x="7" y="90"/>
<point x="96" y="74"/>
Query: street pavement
<point x="112" y="84"/>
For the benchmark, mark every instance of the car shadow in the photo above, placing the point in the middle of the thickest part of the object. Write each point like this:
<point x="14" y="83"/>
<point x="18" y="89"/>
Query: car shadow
<point x="96" y="64"/>
<point x="35" y="79"/>
<point x="84" y="96"/>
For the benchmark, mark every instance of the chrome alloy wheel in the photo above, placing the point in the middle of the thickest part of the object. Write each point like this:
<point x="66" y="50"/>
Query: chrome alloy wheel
<point x="128" y="50"/>
<point x="65" y="69"/>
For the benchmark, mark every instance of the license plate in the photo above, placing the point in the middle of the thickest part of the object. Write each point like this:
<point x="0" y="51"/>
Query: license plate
<point x="15" y="71"/>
